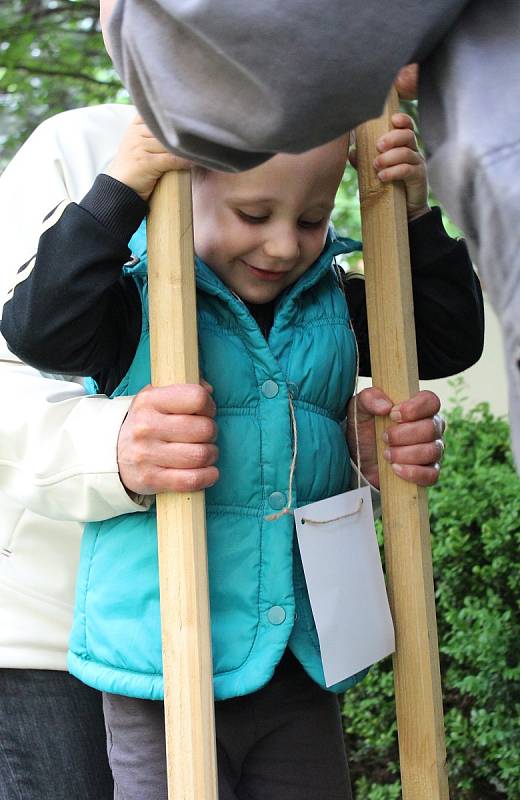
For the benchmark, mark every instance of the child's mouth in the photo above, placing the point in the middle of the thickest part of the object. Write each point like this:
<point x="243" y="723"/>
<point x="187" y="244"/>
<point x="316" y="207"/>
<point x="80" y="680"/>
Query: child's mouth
<point x="265" y="274"/>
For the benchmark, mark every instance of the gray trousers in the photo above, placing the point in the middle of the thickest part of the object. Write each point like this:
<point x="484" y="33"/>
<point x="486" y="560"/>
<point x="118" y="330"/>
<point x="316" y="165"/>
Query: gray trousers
<point x="470" y="118"/>
<point x="284" y="742"/>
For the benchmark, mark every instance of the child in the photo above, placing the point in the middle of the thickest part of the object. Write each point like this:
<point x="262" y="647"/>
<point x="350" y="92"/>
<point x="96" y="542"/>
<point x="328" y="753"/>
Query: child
<point x="274" y="336"/>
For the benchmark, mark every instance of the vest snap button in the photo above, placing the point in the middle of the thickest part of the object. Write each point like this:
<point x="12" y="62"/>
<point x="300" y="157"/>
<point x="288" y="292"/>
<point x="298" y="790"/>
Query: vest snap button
<point x="276" y="615"/>
<point x="269" y="389"/>
<point x="277" y="501"/>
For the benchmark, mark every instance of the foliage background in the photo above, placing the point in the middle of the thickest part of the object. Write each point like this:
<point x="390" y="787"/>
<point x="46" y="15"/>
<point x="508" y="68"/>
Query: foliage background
<point x="475" y="524"/>
<point x="51" y="59"/>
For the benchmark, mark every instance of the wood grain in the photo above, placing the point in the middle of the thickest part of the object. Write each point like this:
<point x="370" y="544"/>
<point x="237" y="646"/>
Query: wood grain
<point x="181" y="518"/>
<point x="405" y="506"/>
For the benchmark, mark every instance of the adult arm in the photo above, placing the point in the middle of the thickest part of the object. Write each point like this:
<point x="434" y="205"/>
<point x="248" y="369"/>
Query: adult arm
<point x="56" y="166"/>
<point x="448" y="305"/>
<point x="71" y="310"/>
<point x="57" y="163"/>
<point x="58" y="448"/>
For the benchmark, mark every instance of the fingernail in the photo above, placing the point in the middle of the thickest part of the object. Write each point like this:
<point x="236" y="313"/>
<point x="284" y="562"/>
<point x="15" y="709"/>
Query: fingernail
<point x="438" y="423"/>
<point x="395" y="415"/>
<point x="385" y="437"/>
<point x="381" y="406"/>
<point x="376" y="163"/>
<point x="397" y="468"/>
<point x="387" y="454"/>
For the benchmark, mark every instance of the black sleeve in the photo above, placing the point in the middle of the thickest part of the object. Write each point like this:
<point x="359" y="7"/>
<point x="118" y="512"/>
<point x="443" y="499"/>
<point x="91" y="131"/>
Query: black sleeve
<point x="74" y="313"/>
<point x="448" y="305"/>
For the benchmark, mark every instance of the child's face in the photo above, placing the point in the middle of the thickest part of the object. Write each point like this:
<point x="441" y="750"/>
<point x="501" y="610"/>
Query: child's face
<point x="260" y="230"/>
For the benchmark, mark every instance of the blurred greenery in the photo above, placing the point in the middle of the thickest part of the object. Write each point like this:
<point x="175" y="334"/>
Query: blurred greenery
<point x="52" y="58"/>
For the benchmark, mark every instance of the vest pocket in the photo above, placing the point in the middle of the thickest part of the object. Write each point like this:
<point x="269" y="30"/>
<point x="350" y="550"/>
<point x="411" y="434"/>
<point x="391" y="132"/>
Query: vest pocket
<point x="234" y="564"/>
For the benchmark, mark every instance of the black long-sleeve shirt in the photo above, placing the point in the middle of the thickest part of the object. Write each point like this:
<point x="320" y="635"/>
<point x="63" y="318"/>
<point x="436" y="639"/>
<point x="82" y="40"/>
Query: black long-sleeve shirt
<point x="75" y="313"/>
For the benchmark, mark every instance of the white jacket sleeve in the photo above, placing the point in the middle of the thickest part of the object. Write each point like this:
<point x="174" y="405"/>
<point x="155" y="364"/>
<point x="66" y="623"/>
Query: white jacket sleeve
<point x="58" y="447"/>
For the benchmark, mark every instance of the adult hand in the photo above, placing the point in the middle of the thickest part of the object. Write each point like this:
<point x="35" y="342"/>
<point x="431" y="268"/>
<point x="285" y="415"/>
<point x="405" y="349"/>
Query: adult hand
<point x="407" y="81"/>
<point x="166" y="442"/>
<point x="141" y="160"/>
<point x="413" y="443"/>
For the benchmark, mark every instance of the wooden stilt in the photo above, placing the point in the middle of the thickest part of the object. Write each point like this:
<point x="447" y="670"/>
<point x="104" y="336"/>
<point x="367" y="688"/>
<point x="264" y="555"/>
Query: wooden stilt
<point x="405" y="506"/>
<point x="181" y="520"/>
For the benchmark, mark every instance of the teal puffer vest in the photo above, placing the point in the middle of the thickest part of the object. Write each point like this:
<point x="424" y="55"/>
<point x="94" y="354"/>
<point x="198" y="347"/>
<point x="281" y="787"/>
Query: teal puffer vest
<point x="259" y="601"/>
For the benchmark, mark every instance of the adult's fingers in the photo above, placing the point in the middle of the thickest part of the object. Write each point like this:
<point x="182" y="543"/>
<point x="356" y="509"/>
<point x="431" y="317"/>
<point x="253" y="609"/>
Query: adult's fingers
<point x="420" y="406"/>
<point x="183" y="455"/>
<point x="406" y="81"/>
<point x="410" y="433"/>
<point x="422" y="476"/>
<point x="424" y="454"/>
<point x="371" y="402"/>
<point x="184" y="480"/>
<point x="182" y="398"/>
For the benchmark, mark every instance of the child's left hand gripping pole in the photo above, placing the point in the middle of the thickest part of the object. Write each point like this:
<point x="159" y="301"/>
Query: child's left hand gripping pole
<point x="181" y="518"/>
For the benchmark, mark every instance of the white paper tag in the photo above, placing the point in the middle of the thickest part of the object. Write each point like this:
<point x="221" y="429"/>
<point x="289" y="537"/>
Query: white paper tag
<point x="345" y="581"/>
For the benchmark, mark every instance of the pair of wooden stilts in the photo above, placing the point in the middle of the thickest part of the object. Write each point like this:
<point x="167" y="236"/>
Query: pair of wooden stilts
<point x="189" y="709"/>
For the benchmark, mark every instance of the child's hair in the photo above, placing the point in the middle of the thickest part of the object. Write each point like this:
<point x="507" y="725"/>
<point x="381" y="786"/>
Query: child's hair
<point x="199" y="173"/>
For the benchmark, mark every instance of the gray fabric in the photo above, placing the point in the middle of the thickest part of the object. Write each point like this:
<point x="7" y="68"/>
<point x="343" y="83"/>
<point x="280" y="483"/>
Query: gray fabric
<point x="470" y="118"/>
<point x="284" y="742"/>
<point x="228" y="82"/>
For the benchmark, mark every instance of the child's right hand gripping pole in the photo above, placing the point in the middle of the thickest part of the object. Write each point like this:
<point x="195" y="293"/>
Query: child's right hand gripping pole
<point x="181" y="519"/>
<point x="405" y="506"/>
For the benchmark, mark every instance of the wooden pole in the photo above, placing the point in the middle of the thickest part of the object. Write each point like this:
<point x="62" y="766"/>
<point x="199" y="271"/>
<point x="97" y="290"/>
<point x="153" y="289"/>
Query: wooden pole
<point x="405" y="506"/>
<point x="181" y="518"/>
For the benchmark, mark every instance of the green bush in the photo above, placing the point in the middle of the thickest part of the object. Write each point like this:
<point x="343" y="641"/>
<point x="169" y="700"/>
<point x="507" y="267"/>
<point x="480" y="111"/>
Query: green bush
<point x="475" y="523"/>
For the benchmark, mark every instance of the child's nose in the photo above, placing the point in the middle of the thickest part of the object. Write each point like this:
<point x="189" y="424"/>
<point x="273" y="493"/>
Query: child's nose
<point x="282" y="243"/>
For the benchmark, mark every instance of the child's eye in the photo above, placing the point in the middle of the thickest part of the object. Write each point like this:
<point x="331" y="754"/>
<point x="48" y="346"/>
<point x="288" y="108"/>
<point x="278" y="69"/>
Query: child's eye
<point x="306" y="224"/>
<point x="251" y="219"/>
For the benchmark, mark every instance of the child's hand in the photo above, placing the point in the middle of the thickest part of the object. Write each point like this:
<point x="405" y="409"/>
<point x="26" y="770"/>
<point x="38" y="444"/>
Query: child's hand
<point x="400" y="160"/>
<point x="166" y="442"/>
<point x="413" y="444"/>
<point x="141" y="160"/>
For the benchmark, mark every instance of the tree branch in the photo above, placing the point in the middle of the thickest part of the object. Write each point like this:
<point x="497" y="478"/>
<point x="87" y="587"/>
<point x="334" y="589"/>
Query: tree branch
<point x="80" y="76"/>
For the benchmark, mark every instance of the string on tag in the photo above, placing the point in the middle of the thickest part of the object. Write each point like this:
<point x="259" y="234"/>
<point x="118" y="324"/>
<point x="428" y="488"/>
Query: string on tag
<point x="308" y="521"/>
<point x="288" y="509"/>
